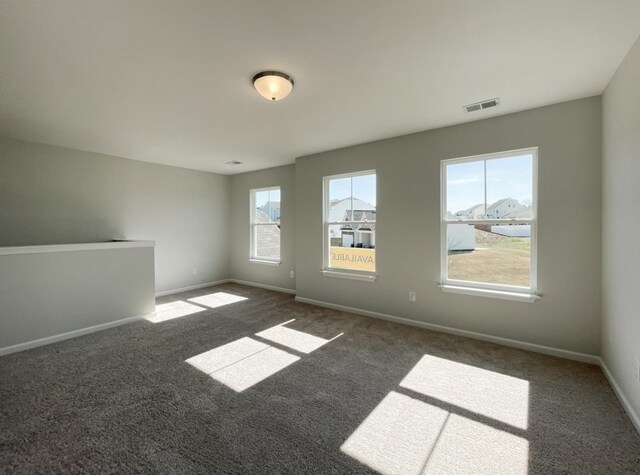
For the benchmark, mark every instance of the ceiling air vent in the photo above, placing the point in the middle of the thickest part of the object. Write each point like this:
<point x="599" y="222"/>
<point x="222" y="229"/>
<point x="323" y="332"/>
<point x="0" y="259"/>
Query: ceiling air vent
<point x="472" y="107"/>
<point x="482" y="105"/>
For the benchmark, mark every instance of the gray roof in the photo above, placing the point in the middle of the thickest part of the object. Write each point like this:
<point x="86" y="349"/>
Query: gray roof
<point x="499" y="202"/>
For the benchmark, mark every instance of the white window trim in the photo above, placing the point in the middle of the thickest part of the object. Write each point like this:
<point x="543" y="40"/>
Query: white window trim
<point x="253" y="257"/>
<point x="350" y="274"/>
<point x="338" y="272"/>
<point x="264" y="261"/>
<point x="496" y="294"/>
<point x="509" y="292"/>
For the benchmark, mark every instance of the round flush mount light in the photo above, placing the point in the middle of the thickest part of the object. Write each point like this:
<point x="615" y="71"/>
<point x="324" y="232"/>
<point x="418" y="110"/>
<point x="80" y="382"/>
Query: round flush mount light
<point x="273" y="85"/>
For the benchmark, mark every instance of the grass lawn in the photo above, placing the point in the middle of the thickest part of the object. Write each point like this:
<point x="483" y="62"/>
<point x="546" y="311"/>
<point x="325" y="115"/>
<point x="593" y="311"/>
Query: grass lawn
<point x="496" y="259"/>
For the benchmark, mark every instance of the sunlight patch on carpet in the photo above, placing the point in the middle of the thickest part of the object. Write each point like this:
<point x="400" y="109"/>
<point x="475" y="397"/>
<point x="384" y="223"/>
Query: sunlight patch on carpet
<point x="171" y="310"/>
<point x="494" y="395"/>
<point x="468" y="446"/>
<point x="294" y="339"/>
<point x="217" y="299"/>
<point x="242" y="363"/>
<point x="250" y="371"/>
<point x="225" y="355"/>
<point x="404" y="435"/>
<point x="245" y="362"/>
<point x="398" y="436"/>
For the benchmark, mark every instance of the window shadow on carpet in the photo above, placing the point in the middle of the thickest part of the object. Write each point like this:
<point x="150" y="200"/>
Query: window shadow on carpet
<point x="245" y="362"/>
<point x="447" y="417"/>
<point x="292" y="398"/>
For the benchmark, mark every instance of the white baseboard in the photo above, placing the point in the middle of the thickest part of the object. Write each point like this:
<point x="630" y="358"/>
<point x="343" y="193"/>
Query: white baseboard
<point x="571" y="355"/>
<point x="263" y="286"/>
<point x="192" y="287"/>
<point x="65" y="336"/>
<point x="547" y="350"/>
<point x="621" y="397"/>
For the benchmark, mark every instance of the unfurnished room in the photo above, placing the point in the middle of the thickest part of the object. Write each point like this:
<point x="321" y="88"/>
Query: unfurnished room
<point x="340" y="236"/>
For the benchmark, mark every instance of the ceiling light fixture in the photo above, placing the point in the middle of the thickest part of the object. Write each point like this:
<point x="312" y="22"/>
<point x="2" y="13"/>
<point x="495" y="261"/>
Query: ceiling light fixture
<point x="273" y="85"/>
<point x="233" y="162"/>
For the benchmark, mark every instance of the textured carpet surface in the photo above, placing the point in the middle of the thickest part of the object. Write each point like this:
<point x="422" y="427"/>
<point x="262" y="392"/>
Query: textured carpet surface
<point x="217" y="382"/>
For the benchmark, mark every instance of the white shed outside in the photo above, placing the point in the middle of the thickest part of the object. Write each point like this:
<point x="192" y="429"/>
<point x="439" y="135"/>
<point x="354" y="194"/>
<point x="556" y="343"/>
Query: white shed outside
<point x="461" y="237"/>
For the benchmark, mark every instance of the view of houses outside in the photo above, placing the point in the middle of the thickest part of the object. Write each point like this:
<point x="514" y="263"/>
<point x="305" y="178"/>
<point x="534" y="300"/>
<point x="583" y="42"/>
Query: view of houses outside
<point x="352" y="210"/>
<point x="478" y="252"/>
<point x="266" y="226"/>
<point x="490" y="253"/>
<point x="352" y="244"/>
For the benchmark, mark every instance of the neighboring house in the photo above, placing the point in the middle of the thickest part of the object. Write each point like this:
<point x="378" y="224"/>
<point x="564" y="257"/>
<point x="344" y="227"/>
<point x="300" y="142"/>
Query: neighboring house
<point x="338" y="208"/>
<point x="503" y="207"/>
<point x="462" y="237"/>
<point x="475" y="212"/>
<point x="360" y="215"/>
<point x="525" y="212"/>
<point x="363" y="233"/>
<point x="268" y="244"/>
<point x="347" y="236"/>
<point x="271" y="208"/>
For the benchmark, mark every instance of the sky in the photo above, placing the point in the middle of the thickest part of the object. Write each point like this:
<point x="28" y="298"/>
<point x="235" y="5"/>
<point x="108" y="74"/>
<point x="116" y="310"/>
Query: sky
<point x="268" y="195"/>
<point x="506" y="178"/>
<point x="364" y="188"/>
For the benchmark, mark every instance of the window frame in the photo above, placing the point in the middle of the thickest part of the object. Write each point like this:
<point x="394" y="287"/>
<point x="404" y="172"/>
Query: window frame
<point x="253" y="227"/>
<point x="511" y="292"/>
<point x="341" y="272"/>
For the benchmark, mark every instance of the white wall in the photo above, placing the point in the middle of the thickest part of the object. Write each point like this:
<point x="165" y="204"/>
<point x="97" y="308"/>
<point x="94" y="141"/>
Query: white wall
<point x="620" y="226"/>
<point x="55" y="195"/>
<point x="241" y="268"/>
<point x="46" y="294"/>
<point x="408" y="226"/>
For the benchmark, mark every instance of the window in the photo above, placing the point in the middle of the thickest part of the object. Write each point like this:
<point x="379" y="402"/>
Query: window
<point x="265" y="224"/>
<point x="350" y="223"/>
<point x="488" y="224"/>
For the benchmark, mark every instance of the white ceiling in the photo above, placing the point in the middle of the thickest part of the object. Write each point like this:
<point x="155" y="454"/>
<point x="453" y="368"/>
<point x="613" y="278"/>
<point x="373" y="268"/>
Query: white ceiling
<point x="169" y="81"/>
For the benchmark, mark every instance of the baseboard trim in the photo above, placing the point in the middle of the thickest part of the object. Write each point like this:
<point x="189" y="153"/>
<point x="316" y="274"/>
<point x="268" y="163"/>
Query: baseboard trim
<point x="192" y="287"/>
<point x="547" y="350"/>
<point x="66" y="336"/>
<point x="621" y="397"/>
<point x="262" y="286"/>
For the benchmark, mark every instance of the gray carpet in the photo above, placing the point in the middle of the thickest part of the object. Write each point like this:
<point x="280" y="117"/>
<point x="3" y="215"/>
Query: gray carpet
<point x="327" y="392"/>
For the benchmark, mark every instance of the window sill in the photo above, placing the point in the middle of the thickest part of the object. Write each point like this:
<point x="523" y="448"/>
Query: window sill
<point x="347" y="275"/>
<point x="265" y="262"/>
<point x="496" y="294"/>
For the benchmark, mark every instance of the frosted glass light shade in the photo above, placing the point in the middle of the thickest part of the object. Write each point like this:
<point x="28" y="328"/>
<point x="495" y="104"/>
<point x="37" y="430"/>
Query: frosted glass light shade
<point x="273" y="85"/>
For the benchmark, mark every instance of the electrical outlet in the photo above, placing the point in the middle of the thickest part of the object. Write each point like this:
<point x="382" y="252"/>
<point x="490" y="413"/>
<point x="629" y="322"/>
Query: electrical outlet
<point x="195" y="270"/>
<point x="292" y="274"/>
<point x="412" y="296"/>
